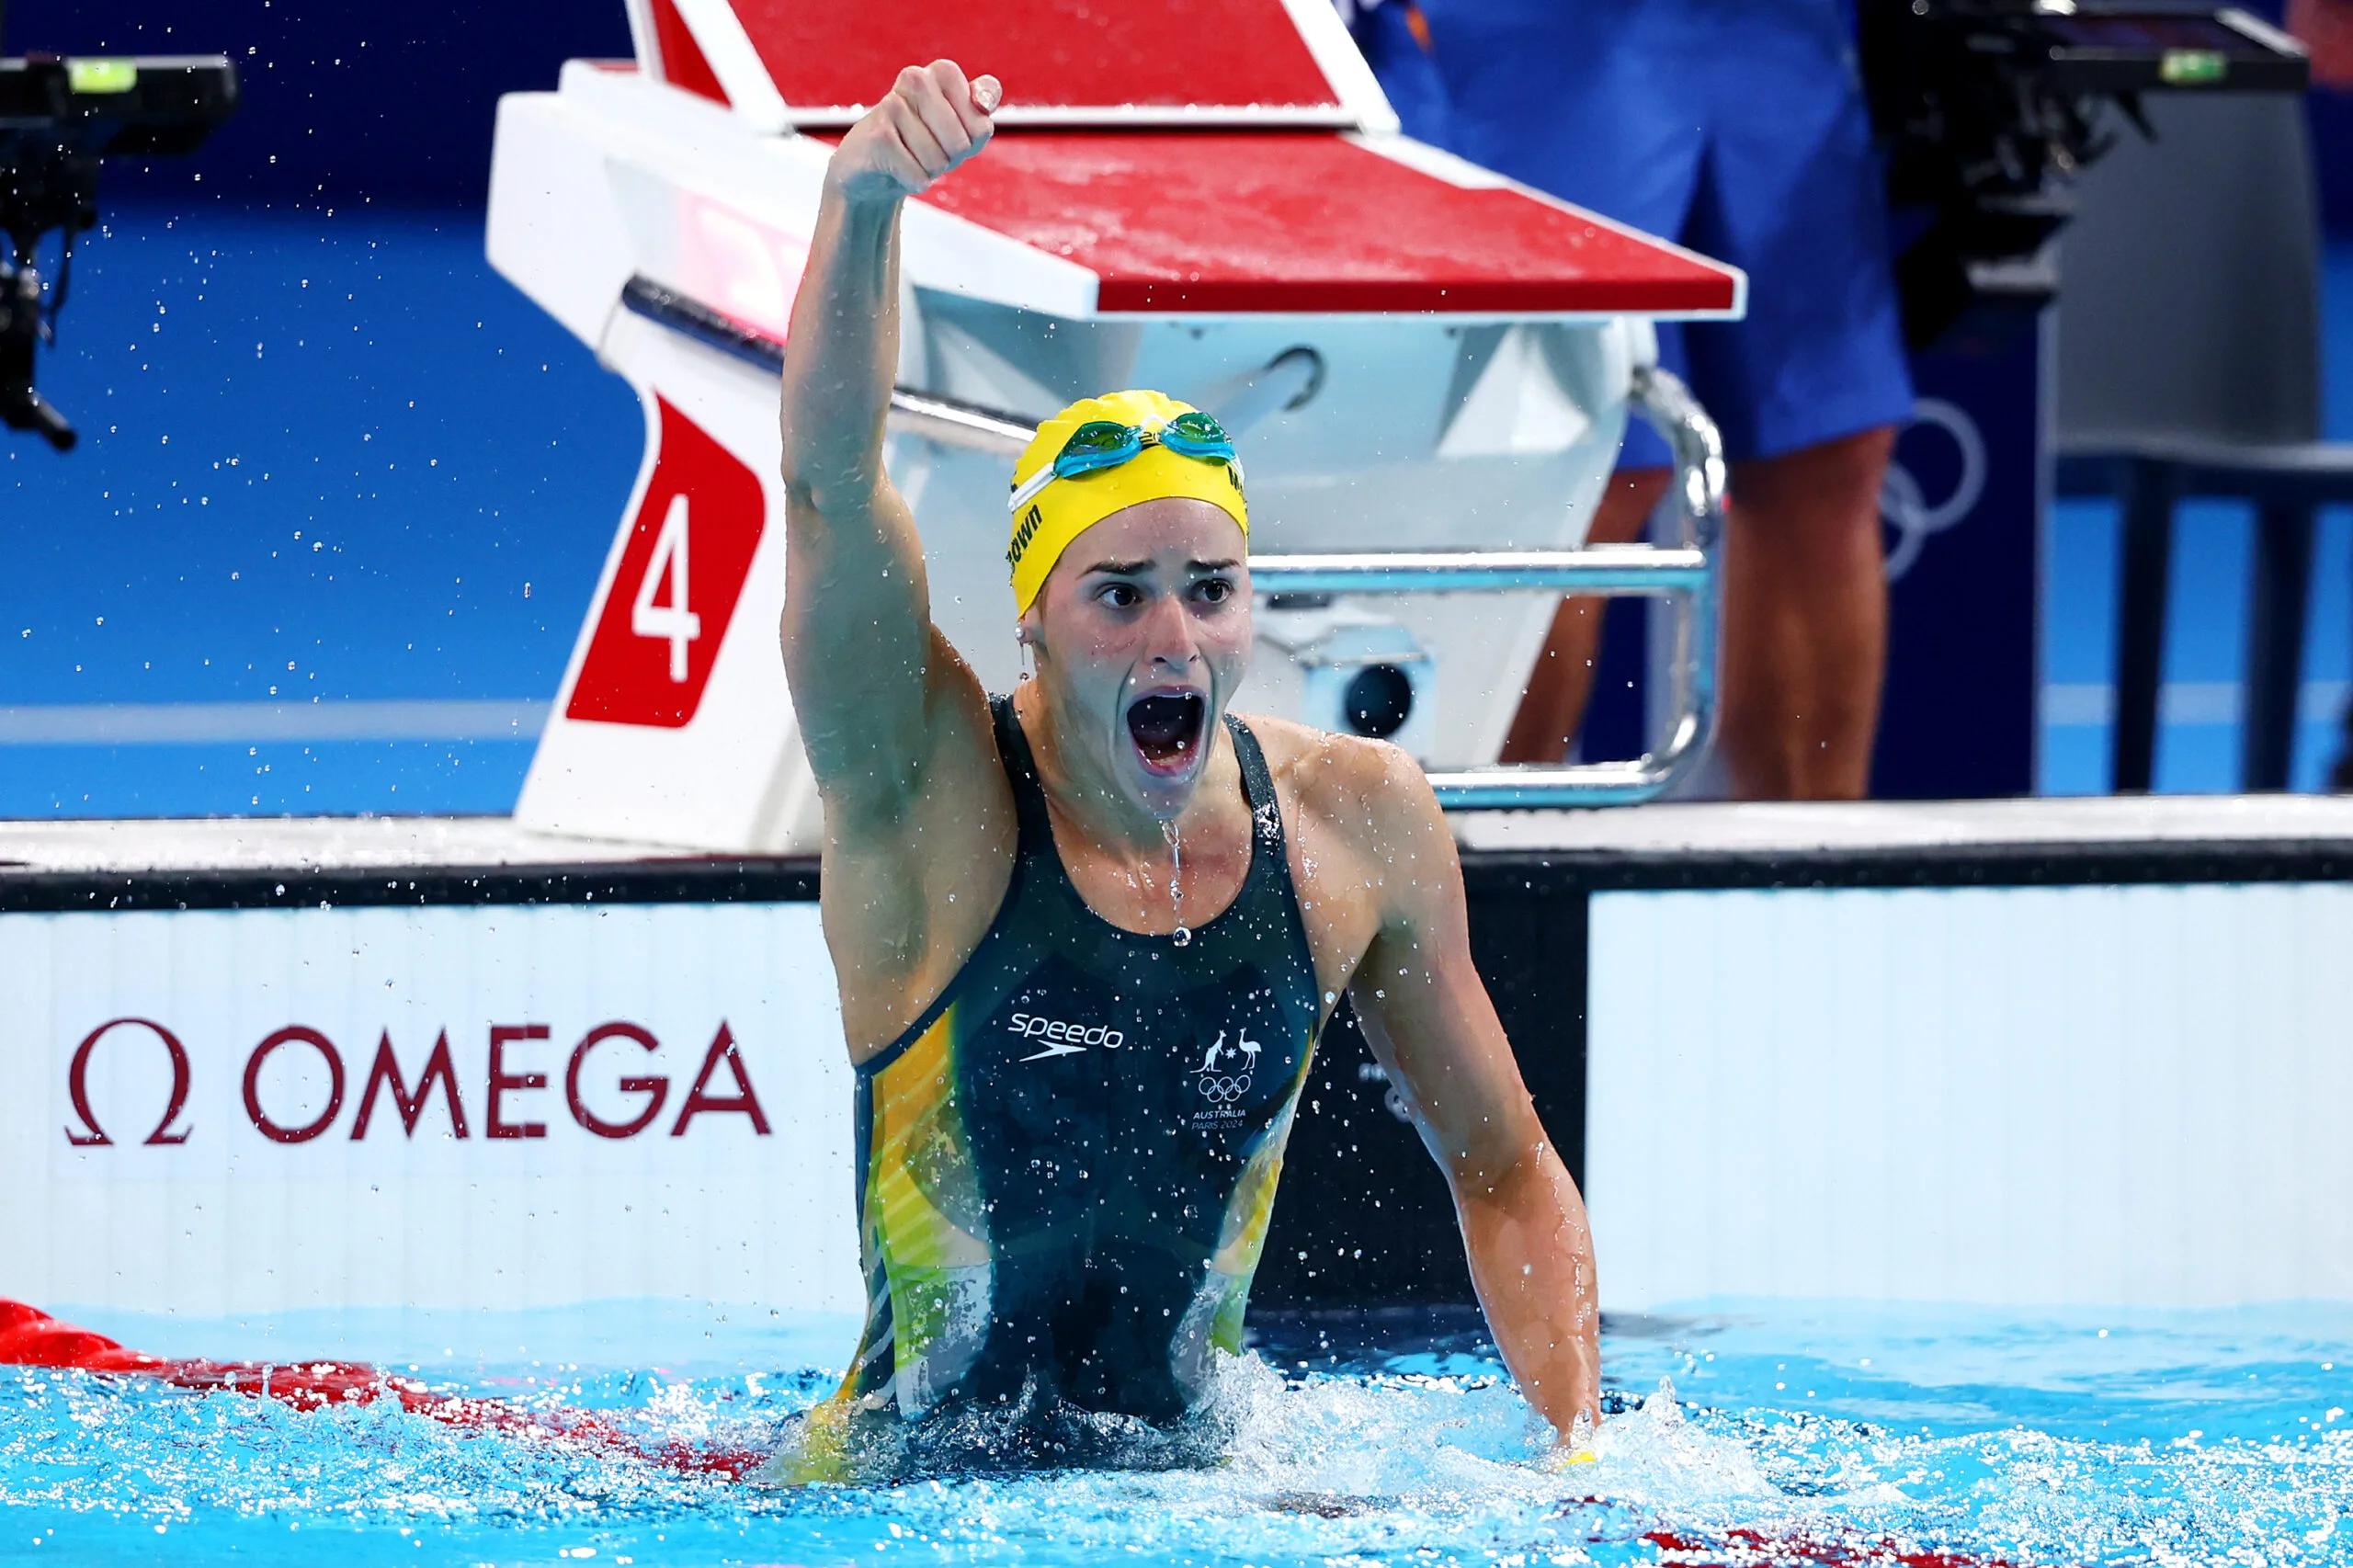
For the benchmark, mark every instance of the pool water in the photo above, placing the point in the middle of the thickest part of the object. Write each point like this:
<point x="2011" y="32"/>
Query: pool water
<point x="1741" y="1432"/>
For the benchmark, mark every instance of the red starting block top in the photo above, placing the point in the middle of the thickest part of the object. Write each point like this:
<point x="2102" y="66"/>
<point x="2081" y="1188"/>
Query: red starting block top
<point x="815" y="63"/>
<point x="1225" y="221"/>
<point x="1196" y="157"/>
<point x="827" y="56"/>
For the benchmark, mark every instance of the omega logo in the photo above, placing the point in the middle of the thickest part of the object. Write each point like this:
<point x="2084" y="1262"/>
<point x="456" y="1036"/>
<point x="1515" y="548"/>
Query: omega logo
<point x="77" y="1086"/>
<point x="503" y="1098"/>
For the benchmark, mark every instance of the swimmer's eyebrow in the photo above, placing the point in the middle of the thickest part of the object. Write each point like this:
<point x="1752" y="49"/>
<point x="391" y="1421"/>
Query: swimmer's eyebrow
<point x="1139" y="568"/>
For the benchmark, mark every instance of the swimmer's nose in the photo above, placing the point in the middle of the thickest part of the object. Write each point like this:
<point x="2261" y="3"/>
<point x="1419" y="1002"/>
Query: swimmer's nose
<point x="1169" y="639"/>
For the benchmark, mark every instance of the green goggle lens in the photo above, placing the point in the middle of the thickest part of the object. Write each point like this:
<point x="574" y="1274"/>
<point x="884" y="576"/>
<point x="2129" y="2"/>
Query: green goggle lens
<point x="1099" y="441"/>
<point x="1197" y="435"/>
<point x="1100" y="436"/>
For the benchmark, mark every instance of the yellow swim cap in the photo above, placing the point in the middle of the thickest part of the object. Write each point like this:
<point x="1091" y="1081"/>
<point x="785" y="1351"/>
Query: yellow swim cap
<point x="1067" y="508"/>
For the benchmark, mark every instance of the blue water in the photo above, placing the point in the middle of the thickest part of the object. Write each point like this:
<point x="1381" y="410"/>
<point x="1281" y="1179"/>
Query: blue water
<point x="2155" y="1438"/>
<point x="334" y="455"/>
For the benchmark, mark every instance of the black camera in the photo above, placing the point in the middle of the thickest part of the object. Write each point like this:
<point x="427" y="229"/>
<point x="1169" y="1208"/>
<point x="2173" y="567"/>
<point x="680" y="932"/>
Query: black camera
<point x="1985" y="108"/>
<point x="58" y="117"/>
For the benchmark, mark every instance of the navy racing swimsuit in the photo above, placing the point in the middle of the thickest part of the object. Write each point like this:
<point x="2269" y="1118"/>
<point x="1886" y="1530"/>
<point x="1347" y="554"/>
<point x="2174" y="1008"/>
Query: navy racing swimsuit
<point x="1067" y="1163"/>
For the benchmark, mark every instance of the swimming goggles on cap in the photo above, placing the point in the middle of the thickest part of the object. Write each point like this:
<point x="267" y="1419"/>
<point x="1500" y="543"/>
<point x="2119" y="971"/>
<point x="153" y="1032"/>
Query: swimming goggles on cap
<point x="1105" y="443"/>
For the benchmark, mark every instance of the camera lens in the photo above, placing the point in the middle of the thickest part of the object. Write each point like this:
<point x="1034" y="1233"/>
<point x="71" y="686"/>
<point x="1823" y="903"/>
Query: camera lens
<point x="1377" y="701"/>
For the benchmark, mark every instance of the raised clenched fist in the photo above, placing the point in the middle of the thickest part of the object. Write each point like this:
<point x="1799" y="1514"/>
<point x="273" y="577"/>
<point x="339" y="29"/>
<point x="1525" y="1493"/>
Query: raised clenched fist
<point x="933" y="120"/>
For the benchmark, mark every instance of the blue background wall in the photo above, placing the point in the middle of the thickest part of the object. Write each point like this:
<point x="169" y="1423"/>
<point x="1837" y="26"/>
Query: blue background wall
<point x="327" y="452"/>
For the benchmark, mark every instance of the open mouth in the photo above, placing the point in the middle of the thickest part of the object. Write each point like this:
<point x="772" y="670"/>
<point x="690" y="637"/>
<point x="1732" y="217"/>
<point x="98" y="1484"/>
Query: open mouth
<point x="1166" y="729"/>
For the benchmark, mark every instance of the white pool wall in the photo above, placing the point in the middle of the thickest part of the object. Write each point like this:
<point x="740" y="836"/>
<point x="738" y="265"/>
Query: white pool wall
<point x="2101" y="1096"/>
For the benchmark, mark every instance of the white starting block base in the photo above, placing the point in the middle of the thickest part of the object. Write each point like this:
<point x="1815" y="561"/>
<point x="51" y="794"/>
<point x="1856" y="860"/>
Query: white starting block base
<point x="2028" y="1052"/>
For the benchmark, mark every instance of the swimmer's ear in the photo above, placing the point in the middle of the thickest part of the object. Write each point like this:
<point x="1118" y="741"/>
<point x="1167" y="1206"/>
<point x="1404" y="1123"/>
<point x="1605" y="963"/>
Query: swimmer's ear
<point x="1031" y="640"/>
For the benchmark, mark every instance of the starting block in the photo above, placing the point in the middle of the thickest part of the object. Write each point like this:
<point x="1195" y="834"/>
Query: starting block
<point x="1429" y="367"/>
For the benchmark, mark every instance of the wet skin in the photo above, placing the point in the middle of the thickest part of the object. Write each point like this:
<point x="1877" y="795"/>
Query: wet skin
<point x="1139" y="638"/>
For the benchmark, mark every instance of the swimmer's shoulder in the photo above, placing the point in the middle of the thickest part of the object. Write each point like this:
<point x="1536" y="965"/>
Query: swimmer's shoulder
<point x="1362" y="794"/>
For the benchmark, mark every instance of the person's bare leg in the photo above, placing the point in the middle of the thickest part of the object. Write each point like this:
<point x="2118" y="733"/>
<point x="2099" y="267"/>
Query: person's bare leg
<point x="1806" y="621"/>
<point x="1558" y="687"/>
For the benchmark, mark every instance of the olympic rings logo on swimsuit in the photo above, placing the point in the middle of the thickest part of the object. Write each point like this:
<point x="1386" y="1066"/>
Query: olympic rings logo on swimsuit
<point x="1223" y="1090"/>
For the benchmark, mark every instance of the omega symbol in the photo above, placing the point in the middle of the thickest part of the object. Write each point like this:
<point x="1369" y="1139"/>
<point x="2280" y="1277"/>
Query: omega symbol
<point x="78" y="1086"/>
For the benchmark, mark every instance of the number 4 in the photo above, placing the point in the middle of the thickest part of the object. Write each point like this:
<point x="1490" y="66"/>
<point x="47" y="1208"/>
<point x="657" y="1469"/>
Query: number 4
<point x="674" y="620"/>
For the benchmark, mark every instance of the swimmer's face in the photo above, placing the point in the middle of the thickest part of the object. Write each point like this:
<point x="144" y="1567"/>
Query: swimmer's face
<point x="1140" y="633"/>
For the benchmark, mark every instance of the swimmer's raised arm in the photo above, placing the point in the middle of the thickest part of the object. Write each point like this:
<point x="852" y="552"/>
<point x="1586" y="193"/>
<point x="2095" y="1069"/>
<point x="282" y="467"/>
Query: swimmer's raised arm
<point x="1427" y="1015"/>
<point x="917" y="811"/>
<point x="863" y="658"/>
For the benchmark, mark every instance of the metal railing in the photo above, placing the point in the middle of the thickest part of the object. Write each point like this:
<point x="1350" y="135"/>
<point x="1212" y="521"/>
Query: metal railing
<point x="1684" y="573"/>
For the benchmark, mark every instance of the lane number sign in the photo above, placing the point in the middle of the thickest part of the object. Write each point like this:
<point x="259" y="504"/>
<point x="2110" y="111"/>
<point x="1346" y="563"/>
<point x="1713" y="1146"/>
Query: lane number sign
<point x="667" y="610"/>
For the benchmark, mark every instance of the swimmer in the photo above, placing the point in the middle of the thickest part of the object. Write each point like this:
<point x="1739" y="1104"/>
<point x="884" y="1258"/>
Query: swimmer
<point x="1051" y="912"/>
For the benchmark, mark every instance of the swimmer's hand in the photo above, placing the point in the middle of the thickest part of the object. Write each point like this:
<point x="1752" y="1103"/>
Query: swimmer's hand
<point x="933" y="120"/>
<point x="1582" y="1446"/>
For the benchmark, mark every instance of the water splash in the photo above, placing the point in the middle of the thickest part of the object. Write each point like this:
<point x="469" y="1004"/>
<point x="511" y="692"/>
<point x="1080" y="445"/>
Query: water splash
<point x="1403" y="1457"/>
<point x="1183" y="935"/>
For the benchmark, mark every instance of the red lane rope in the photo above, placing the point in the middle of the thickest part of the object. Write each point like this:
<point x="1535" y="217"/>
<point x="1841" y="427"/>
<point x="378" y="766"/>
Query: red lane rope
<point x="30" y="1337"/>
<point x="1744" y="1548"/>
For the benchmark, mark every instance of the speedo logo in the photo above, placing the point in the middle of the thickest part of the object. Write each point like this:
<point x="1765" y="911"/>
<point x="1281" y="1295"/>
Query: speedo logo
<point x="1023" y="535"/>
<point x="1062" y="1038"/>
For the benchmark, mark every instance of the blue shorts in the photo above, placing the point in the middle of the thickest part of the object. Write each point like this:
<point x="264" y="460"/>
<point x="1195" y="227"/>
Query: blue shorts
<point x="1735" y="127"/>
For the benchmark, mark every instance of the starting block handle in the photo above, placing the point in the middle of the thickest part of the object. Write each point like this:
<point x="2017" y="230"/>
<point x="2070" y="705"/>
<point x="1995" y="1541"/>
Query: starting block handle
<point x="1686" y="575"/>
